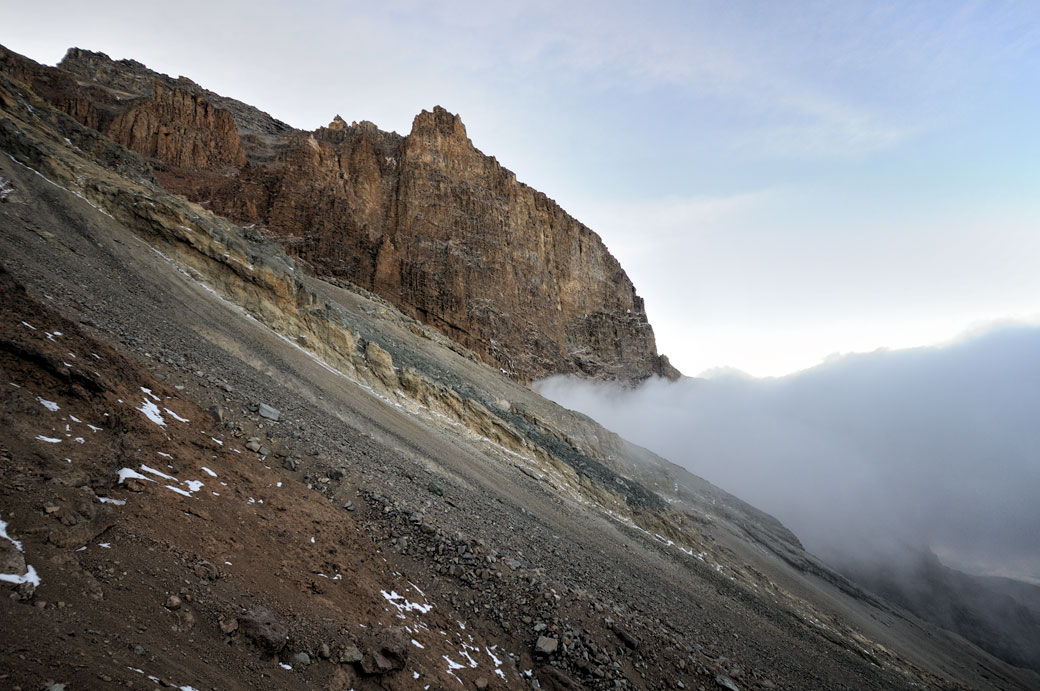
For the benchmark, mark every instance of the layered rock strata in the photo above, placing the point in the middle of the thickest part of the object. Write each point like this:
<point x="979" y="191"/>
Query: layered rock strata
<point x="427" y="221"/>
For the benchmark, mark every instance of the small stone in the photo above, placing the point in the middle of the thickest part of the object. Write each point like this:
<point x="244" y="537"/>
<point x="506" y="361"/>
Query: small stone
<point x="350" y="655"/>
<point x="269" y="412"/>
<point x="324" y="652"/>
<point x="253" y="444"/>
<point x="726" y="683"/>
<point x="301" y="658"/>
<point x="539" y="627"/>
<point x="289" y="463"/>
<point x="349" y="506"/>
<point x="138" y="650"/>
<point x="264" y="451"/>
<point x="216" y="412"/>
<point x="545" y="645"/>
<point x="173" y="602"/>
<point x="481" y="683"/>
<point x="205" y="569"/>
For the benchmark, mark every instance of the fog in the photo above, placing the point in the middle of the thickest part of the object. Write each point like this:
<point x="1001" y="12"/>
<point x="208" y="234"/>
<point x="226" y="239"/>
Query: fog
<point x="868" y="454"/>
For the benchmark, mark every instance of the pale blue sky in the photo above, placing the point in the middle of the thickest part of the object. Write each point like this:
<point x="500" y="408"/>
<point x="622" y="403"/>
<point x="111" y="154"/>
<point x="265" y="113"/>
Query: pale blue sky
<point x="782" y="181"/>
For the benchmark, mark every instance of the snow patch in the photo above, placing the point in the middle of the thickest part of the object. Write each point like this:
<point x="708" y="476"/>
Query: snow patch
<point x="151" y="411"/>
<point x="49" y="440"/>
<point x="49" y="405"/>
<point x="175" y="416"/>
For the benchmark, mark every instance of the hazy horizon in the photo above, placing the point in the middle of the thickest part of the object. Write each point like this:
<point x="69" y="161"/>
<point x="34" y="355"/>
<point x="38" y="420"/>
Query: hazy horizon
<point x="867" y="454"/>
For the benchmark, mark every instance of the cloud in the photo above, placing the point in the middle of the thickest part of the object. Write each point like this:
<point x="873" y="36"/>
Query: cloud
<point x="868" y="453"/>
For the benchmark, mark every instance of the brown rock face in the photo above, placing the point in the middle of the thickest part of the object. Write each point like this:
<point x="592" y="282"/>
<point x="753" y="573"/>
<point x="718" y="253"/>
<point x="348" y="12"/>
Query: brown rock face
<point x="181" y="129"/>
<point x="427" y="221"/>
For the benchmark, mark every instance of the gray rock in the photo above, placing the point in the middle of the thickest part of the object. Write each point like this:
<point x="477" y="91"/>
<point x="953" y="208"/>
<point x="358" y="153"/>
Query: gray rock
<point x="264" y="451"/>
<point x="269" y="412"/>
<point x="217" y="412"/>
<point x="253" y="444"/>
<point x="263" y="629"/>
<point x="173" y="602"/>
<point x="289" y="464"/>
<point x="726" y="683"/>
<point x="545" y="645"/>
<point x="350" y="655"/>
<point x="301" y="659"/>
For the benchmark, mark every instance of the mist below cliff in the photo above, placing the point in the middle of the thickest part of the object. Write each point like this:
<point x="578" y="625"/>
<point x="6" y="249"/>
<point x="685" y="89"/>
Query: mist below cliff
<point x="868" y="456"/>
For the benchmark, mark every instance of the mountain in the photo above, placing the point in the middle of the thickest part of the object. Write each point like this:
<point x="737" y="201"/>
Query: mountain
<point x="427" y="221"/>
<point x="222" y="470"/>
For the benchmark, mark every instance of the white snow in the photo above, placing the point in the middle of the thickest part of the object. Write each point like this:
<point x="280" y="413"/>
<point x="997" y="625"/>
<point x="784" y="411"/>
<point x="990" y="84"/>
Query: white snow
<point x="404" y="606"/>
<point x="284" y="666"/>
<point x="193" y="485"/>
<point x="79" y="440"/>
<point x="149" y="392"/>
<point x="106" y="545"/>
<point x="178" y="490"/>
<point x="217" y="440"/>
<point x="175" y="416"/>
<point x="30" y="576"/>
<point x="93" y="428"/>
<point x="3" y="533"/>
<point x="49" y="405"/>
<point x="29" y="325"/>
<point x="125" y="473"/>
<point x="417" y="644"/>
<point x="208" y="471"/>
<point x="49" y="440"/>
<point x="161" y="474"/>
<point x="73" y="418"/>
<point x="165" y="455"/>
<point x="152" y="412"/>
<point x="110" y="500"/>
<point x="278" y="484"/>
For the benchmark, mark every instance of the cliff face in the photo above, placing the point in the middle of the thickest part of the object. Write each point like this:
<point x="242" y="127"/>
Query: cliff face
<point x="427" y="221"/>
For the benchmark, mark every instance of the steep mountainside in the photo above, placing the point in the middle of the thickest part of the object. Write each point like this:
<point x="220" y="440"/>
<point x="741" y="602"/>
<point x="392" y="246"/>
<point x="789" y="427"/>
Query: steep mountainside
<point x="426" y="221"/>
<point x="363" y="504"/>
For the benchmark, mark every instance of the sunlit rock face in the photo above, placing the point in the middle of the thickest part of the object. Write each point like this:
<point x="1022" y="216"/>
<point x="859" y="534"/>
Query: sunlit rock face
<point x="426" y="220"/>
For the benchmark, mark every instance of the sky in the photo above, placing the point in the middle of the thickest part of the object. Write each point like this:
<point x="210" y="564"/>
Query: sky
<point x="782" y="181"/>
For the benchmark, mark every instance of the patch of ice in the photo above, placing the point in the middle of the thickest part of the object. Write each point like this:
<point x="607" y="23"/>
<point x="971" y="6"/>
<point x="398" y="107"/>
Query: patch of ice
<point x="178" y="490"/>
<point x="228" y="563"/>
<point x="193" y="485"/>
<point x="312" y="540"/>
<point x="215" y="494"/>
<point x="161" y="474"/>
<point x="50" y="405"/>
<point x="208" y="471"/>
<point x="278" y="484"/>
<point x="149" y="392"/>
<point x="417" y="644"/>
<point x="175" y="416"/>
<point x="217" y="440"/>
<point x="58" y="333"/>
<point x="284" y="666"/>
<point x="29" y="325"/>
<point x="93" y="428"/>
<point x="49" y="440"/>
<point x="106" y="545"/>
<point x="151" y="411"/>
<point x="415" y="675"/>
<point x="110" y="500"/>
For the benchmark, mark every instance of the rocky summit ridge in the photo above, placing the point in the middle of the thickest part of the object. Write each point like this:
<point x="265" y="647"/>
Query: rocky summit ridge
<point x="426" y="221"/>
<point x="219" y="470"/>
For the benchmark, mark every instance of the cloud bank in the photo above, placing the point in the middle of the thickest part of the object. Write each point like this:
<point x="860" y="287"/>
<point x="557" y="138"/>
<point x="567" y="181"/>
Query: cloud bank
<point x="866" y="455"/>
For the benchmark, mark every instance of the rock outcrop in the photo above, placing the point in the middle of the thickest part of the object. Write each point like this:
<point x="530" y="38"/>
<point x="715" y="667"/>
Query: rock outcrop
<point x="427" y="221"/>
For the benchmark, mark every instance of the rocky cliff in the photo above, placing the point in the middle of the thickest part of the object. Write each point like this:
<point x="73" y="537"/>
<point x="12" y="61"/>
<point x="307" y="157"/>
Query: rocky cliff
<point x="426" y="221"/>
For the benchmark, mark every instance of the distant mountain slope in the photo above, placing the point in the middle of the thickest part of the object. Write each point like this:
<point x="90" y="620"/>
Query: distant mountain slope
<point x="426" y="221"/>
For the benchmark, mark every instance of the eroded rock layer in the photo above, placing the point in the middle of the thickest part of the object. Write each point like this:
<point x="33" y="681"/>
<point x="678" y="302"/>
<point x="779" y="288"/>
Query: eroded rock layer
<point x="426" y="221"/>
